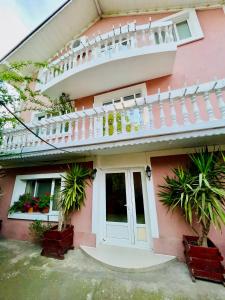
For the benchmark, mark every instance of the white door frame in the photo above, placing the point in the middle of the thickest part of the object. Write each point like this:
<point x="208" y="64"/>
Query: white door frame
<point x="122" y="161"/>
<point x="131" y="224"/>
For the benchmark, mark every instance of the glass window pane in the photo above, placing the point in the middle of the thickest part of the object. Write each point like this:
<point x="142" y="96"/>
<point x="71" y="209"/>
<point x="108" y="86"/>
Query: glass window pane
<point x="183" y="30"/>
<point x="43" y="186"/>
<point x="116" y="210"/>
<point x="139" y="201"/>
<point x="30" y="186"/>
<point x="56" y="194"/>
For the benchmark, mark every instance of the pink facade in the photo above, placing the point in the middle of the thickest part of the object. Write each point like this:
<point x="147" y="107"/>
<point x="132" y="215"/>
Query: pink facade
<point x="198" y="61"/>
<point x="19" y="229"/>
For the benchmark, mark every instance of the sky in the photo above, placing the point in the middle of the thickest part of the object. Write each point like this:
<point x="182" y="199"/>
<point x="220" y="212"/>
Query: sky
<point x="19" y="17"/>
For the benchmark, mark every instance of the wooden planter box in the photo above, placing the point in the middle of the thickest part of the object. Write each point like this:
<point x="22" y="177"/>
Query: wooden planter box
<point x="56" y="243"/>
<point x="203" y="262"/>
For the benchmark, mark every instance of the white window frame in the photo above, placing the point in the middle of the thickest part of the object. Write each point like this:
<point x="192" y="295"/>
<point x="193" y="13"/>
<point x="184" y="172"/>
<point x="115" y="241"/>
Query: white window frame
<point x="19" y="189"/>
<point x="135" y="89"/>
<point x="191" y="17"/>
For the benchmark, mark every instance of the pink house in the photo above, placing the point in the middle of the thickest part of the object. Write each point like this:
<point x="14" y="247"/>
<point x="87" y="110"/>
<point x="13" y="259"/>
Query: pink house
<point x="148" y="83"/>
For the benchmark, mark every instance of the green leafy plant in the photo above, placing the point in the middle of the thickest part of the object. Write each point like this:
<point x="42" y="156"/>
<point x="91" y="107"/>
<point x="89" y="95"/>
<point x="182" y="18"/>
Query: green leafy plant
<point x="198" y="190"/>
<point x="22" y="205"/>
<point x="73" y="194"/>
<point x="37" y="230"/>
<point x="44" y="201"/>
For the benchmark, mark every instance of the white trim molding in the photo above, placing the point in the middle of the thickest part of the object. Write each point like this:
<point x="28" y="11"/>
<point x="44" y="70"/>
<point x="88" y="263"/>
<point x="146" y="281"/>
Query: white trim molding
<point x="19" y="189"/>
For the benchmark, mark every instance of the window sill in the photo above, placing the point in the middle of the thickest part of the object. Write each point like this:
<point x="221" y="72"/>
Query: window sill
<point x="52" y="217"/>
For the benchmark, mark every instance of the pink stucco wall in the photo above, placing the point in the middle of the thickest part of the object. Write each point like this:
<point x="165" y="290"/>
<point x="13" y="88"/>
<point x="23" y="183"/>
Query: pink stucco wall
<point x="199" y="61"/>
<point x="19" y="229"/>
<point x="172" y="226"/>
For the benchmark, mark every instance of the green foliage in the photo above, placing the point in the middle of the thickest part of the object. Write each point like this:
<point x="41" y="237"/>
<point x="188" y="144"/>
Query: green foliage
<point x="37" y="230"/>
<point x="44" y="201"/>
<point x="73" y="194"/>
<point x="118" y="121"/>
<point x="22" y="204"/>
<point x="62" y="106"/>
<point x="198" y="190"/>
<point x="16" y="91"/>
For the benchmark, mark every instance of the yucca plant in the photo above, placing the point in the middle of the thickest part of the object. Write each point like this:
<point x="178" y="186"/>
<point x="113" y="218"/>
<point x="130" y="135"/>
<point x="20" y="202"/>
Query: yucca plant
<point x="198" y="190"/>
<point x="73" y="193"/>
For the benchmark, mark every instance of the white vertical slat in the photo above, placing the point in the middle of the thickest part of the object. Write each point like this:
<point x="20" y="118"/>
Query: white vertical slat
<point x="91" y="126"/>
<point x="161" y="111"/>
<point x="83" y="129"/>
<point x="220" y="101"/>
<point x="115" y="122"/>
<point x="106" y="123"/>
<point x="209" y="109"/>
<point x="195" y="107"/>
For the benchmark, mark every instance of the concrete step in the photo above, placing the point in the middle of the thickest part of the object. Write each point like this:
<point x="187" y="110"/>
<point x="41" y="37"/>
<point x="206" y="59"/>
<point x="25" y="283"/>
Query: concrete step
<point x="127" y="259"/>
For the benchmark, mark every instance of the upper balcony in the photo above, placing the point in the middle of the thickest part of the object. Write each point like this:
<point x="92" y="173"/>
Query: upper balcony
<point x="124" y="56"/>
<point x="188" y="117"/>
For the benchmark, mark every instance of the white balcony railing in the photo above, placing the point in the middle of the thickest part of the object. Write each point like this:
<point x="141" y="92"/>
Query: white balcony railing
<point x="187" y="110"/>
<point x="106" y="46"/>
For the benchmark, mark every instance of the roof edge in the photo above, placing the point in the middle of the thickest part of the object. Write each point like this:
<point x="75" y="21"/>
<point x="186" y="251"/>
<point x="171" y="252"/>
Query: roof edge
<point x="61" y="7"/>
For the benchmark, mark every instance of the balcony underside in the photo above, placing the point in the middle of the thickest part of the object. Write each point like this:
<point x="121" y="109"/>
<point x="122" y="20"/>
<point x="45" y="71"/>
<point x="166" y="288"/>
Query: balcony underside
<point x="189" y="138"/>
<point x="122" y="69"/>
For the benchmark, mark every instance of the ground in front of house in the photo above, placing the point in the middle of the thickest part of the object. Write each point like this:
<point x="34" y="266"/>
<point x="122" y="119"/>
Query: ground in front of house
<point x="25" y="275"/>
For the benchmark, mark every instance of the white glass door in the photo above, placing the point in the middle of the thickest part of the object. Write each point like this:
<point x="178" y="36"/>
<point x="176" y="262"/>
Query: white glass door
<point x="125" y="208"/>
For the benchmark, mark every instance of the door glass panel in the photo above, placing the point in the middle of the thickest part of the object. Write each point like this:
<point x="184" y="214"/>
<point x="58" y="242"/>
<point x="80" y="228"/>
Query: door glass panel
<point x="138" y="194"/>
<point x="116" y="210"/>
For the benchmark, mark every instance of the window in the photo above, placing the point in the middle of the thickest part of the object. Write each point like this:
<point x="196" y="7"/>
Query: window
<point x="183" y="30"/>
<point x="186" y="27"/>
<point x="125" y="98"/>
<point x="37" y="186"/>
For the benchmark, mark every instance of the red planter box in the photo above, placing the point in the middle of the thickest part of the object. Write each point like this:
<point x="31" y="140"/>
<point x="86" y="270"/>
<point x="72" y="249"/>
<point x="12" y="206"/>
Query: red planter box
<point x="56" y="243"/>
<point x="203" y="262"/>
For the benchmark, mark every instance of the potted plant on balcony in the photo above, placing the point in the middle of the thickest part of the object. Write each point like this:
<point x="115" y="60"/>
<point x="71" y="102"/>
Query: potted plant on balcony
<point x="59" y="239"/>
<point x="198" y="192"/>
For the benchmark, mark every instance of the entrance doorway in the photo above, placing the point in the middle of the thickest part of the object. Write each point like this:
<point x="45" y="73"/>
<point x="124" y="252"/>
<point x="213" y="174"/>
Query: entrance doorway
<point x="126" y="217"/>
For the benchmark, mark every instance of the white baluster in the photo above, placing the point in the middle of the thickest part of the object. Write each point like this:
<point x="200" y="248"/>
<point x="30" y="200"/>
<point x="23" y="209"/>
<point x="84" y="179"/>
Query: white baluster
<point x="76" y="129"/>
<point x="172" y="108"/>
<point x="160" y="35"/>
<point x="170" y="30"/>
<point x="209" y="108"/>
<point x="123" y="121"/>
<point x="83" y="125"/>
<point x="106" y="123"/>
<point x="220" y="101"/>
<point x="161" y="112"/>
<point x="184" y="110"/>
<point x="91" y="127"/>
<point x="141" y="113"/>
<point x="115" y="122"/>
<point x="195" y="106"/>
<point x="150" y="115"/>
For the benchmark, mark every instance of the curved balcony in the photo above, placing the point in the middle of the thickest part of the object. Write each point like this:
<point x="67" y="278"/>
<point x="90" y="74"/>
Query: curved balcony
<point x="124" y="56"/>
<point x="187" y="117"/>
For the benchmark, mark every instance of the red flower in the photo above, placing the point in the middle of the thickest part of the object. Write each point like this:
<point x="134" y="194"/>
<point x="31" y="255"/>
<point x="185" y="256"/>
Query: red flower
<point x="47" y="194"/>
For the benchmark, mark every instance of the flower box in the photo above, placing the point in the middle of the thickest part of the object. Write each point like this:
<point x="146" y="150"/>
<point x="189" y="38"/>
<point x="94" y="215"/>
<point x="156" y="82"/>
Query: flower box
<point x="56" y="243"/>
<point x="203" y="262"/>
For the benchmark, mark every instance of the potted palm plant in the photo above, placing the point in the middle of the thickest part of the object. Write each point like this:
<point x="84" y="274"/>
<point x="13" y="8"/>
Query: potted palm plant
<point x="198" y="191"/>
<point x="59" y="239"/>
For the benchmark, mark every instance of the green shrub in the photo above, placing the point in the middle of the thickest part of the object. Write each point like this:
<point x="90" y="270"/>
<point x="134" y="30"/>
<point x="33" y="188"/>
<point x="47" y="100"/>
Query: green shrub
<point x="37" y="230"/>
